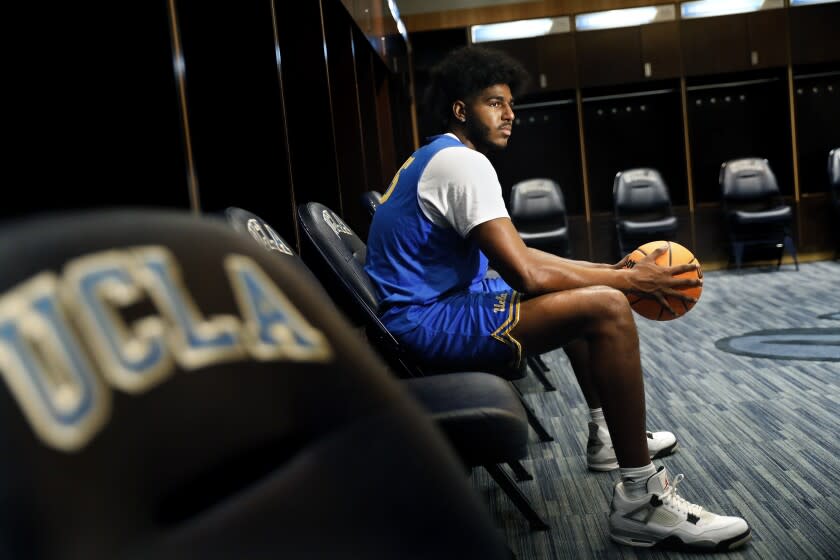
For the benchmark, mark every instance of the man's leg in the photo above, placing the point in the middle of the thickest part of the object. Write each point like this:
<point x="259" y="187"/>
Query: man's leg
<point x="603" y="319"/>
<point x="578" y="353"/>
<point x="600" y="455"/>
<point x="646" y="509"/>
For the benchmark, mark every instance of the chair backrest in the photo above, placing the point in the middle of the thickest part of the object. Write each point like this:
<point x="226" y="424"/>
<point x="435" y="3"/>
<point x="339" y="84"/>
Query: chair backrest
<point x="247" y="222"/>
<point x="343" y="252"/>
<point x="537" y="204"/>
<point x="342" y="249"/>
<point x="370" y="201"/>
<point x="172" y="390"/>
<point x="747" y="180"/>
<point x="640" y="191"/>
<point x="538" y="212"/>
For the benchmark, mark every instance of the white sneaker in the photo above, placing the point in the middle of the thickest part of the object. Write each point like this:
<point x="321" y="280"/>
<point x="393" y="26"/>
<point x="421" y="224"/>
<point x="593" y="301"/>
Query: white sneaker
<point x="600" y="455"/>
<point x="660" y="516"/>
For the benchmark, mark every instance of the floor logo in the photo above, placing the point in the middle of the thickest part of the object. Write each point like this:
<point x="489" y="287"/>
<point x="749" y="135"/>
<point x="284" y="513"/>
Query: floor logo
<point x="787" y="344"/>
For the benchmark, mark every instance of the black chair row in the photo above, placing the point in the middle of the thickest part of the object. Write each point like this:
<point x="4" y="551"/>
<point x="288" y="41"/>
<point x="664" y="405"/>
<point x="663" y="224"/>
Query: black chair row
<point x="754" y="210"/>
<point x="484" y="416"/>
<point x="171" y="390"/>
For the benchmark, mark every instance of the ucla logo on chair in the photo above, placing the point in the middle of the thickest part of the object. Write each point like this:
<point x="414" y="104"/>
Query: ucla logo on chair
<point x="65" y="344"/>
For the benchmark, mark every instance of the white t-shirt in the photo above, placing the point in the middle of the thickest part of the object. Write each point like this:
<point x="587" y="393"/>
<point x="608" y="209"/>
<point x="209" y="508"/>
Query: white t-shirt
<point x="460" y="189"/>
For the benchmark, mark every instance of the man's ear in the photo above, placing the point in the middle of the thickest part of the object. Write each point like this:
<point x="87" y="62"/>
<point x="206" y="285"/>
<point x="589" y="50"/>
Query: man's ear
<point x="459" y="110"/>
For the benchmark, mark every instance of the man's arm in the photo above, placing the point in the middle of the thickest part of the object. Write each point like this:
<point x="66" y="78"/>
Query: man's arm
<point x="536" y="272"/>
<point x="542" y="255"/>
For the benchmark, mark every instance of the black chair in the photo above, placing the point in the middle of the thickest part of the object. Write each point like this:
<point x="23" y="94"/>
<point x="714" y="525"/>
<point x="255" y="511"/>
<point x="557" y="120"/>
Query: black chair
<point x="480" y="413"/>
<point x="538" y="211"/>
<point x="170" y="390"/>
<point x="642" y="209"/>
<point x="342" y="254"/>
<point x="756" y="214"/>
<point x="370" y="201"/>
<point x="834" y="178"/>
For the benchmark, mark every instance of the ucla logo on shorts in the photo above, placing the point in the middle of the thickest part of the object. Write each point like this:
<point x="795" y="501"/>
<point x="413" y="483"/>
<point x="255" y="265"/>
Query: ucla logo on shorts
<point x="64" y="343"/>
<point x="501" y="301"/>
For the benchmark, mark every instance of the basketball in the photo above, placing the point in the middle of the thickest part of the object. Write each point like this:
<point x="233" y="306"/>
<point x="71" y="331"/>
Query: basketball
<point x="676" y="254"/>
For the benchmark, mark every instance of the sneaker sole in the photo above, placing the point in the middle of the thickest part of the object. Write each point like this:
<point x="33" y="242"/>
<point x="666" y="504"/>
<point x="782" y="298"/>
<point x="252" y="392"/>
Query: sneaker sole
<point x="604" y="467"/>
<point x="665" y="451"/>
<point x="676" y="543"/>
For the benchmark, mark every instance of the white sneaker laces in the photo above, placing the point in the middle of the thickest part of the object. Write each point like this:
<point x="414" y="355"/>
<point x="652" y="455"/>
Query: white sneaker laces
<point x="674" y="501"/>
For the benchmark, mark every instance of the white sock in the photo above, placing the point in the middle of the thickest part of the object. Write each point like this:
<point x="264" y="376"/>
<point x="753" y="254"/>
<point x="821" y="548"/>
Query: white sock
<point x="634" y="479"/>
<point x="597" y="416"/>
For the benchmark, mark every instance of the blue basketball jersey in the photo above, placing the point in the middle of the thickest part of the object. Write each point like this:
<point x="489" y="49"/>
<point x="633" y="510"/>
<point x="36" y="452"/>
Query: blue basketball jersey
<point x="411" y="260"/>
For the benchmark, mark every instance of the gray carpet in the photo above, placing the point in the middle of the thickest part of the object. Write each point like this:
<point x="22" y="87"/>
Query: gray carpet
<point x="758" y="435"/>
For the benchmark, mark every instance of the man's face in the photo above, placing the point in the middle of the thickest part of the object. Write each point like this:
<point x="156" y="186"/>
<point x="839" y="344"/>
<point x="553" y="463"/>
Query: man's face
<point x="489" y="118"/>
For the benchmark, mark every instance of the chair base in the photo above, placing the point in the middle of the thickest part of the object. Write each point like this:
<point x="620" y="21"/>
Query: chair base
<point x="539" y="367"/>
<point x="533" y="420"/>
<point x="519" y="499"/>
<point x="519" y="471"/>
<point x="786" y="243"/>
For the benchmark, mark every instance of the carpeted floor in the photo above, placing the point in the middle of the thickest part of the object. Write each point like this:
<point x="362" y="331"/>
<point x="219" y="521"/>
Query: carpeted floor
<point x="758" y="429"/>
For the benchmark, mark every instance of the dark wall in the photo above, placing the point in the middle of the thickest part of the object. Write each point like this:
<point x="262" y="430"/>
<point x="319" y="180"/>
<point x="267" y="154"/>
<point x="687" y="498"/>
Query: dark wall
<point x="236" y="111"/>
<point x="91" y="112"/>
<point x="196" y="105"/>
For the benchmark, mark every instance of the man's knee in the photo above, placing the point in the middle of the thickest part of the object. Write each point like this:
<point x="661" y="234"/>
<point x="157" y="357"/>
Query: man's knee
<point x="608" y="308"/>
<point x="615" y="303"/>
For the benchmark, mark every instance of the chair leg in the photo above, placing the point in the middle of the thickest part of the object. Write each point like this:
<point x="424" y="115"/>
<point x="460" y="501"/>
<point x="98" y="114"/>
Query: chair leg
<point x="517" y="497"/>
<point x="520" y="472"/>
<point x="539" y="361"/>
<point x="533" y="421"/>
<point x="738" y="249"/>
<point x="539" y="368"/>
<point x="791" y="247"/>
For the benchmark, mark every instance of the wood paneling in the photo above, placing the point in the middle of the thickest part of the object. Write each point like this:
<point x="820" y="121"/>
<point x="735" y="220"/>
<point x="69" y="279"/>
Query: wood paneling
<point x="715" y="45"/>
<point x="711" y="245"/>
<point x="610" y="56"/>
<point x="814" y="36"/>
<point x="768" y="38"/>
<point x="366" y="81"/>
<point x="338" y="29"/>
<point x="235" y="104"/>
<point x="660" y="44"/>
<point x="604" y="240"/>
<point x="819" y="231"/>
<point x="556" y="62"/>
<point x="578" y="238"/>
<point x="549" y="60"/>
<point x="309" y="120"/>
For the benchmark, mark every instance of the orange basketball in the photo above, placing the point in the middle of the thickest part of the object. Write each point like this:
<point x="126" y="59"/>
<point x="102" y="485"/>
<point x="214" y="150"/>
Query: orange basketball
<point x="676" y="254"/>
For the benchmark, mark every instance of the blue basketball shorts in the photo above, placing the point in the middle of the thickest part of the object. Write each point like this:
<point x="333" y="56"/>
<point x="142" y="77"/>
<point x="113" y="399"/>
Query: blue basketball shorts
<point x="465" y="330"/>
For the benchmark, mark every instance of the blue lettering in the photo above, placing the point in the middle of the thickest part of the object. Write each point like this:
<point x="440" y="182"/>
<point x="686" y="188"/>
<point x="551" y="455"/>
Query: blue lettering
<point x="46" y="368"/>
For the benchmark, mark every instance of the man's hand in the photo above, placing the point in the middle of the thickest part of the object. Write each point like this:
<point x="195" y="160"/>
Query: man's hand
<point x="659" y="282"/>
